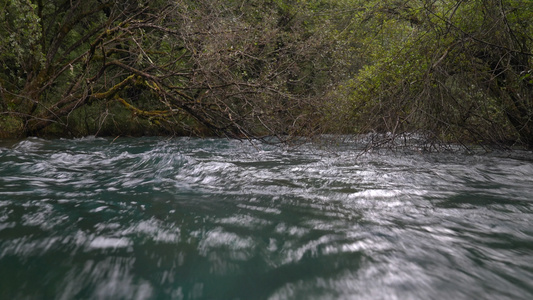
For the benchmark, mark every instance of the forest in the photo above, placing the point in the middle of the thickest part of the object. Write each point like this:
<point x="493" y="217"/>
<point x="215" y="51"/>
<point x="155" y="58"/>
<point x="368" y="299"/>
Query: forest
<point x="442" y="71"/>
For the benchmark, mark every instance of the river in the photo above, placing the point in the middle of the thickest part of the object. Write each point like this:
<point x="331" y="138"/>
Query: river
<point x="186" y="218"/>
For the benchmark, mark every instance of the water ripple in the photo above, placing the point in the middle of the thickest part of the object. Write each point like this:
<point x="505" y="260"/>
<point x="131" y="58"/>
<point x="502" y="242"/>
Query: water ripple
<point x="190" y="218"/>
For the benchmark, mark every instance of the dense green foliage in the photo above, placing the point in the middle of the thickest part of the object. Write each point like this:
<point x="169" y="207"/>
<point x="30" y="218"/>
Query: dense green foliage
<point x="453" y="71"/>
<point x="233" y="68"/>
<point x="456" y="71"/>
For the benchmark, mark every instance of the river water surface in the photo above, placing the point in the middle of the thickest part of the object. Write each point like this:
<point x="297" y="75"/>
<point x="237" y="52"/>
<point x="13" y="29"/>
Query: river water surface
<point x="189" y="218"/>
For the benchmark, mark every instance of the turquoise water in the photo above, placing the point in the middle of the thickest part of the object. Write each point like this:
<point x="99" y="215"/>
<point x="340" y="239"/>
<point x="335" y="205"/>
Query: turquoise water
<point x="189" y="218"/>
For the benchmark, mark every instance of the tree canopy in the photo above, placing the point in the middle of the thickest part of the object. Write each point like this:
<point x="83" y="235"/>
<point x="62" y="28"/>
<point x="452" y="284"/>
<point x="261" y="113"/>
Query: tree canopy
<point x="448" y="71"/>
<point x="240" y="69"/>
<point x="458" y="71"/>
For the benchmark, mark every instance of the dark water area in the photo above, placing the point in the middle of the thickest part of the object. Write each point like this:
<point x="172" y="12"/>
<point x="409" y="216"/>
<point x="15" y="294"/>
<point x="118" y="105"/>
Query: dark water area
<point x="189" y="218"/>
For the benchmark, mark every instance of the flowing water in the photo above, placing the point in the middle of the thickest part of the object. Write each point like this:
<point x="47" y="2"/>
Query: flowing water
<point x="221" y="219"/>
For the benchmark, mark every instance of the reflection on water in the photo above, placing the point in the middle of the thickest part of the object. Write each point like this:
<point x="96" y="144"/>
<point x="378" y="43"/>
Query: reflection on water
<point x="218" y="219"/>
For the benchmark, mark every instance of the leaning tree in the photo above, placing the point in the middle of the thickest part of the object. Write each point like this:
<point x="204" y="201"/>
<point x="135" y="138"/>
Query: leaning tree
<point x="233" y="68"/>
